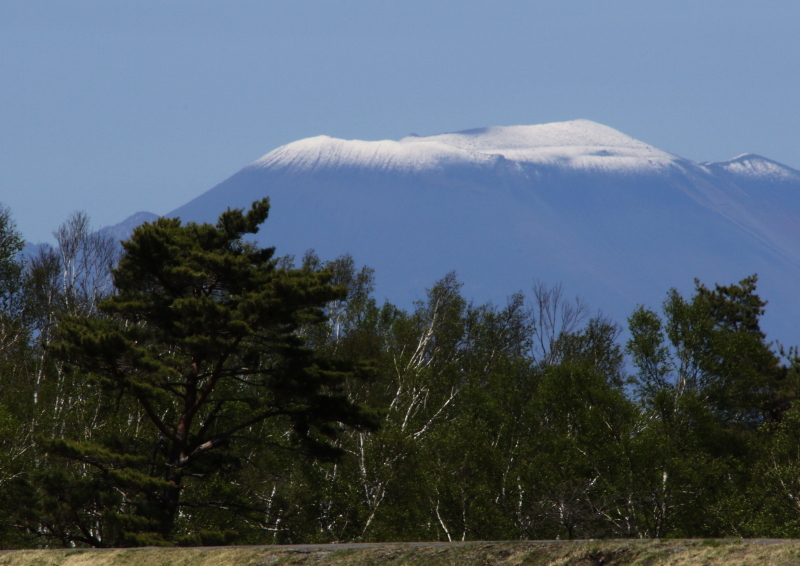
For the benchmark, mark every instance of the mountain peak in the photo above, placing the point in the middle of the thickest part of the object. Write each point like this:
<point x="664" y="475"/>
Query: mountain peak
<point x="756" y="167"/>
<point x="578" y="144"/>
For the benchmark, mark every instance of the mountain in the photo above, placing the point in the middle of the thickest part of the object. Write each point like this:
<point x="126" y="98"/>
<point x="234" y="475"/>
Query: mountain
<point x="615" y="220"/>
<point x="124" y="229"/>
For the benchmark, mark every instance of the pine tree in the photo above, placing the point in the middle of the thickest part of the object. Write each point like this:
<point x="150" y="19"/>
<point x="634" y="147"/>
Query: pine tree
<point x="203" y="340"/>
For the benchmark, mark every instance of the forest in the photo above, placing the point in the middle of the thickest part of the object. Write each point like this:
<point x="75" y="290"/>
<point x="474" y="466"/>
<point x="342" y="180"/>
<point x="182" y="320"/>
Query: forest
<point x="192" y="388"/>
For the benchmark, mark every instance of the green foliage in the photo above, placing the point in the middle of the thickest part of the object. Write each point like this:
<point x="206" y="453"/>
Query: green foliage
<point x="706" y="381"/>
<point x="202" y="339"/>
<point x="216" y="394"/>
<point x="710" y="348"/>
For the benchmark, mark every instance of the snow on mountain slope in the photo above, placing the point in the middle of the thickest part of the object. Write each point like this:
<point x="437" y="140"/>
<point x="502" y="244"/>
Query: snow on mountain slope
<point x="754" y="168"/>
<point x="323" y="152"/>
<point x="580" y="143"/>
<point x="614" y="219"/>
<point x="576" y="144"/>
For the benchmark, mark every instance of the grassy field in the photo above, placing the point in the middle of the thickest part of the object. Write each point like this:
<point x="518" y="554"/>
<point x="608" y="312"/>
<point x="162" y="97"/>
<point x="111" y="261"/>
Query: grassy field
<point x="586" y="553"/>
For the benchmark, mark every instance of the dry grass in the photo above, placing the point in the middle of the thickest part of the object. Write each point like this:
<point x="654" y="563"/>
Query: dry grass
<point x="588" y="553"/>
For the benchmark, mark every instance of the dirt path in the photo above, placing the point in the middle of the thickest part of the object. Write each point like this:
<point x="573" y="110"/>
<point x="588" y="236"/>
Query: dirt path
<point x="756" y="552"/>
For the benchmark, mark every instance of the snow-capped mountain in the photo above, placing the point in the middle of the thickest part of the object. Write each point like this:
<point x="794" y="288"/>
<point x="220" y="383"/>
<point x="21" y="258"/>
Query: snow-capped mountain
<point x="617" y="221"/>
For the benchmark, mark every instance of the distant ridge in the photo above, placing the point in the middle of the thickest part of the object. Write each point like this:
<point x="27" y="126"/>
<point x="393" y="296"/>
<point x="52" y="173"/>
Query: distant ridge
<point x="118" y="232"/>
<point x="124" y="229"/>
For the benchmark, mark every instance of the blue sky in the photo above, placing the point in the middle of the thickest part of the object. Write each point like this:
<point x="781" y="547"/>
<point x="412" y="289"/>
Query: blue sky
<point x="115" y="107"/>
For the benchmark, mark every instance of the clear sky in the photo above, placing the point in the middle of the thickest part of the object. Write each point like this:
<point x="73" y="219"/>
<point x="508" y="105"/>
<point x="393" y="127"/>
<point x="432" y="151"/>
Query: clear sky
<point x="114" y="107"/>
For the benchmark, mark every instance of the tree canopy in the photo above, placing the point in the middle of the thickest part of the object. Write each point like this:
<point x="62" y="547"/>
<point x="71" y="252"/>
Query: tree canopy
<point x="191" y="387"/>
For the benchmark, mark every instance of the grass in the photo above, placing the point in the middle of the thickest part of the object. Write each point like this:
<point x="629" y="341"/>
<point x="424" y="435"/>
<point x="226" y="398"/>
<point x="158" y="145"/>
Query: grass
<point x="585" y="553"/>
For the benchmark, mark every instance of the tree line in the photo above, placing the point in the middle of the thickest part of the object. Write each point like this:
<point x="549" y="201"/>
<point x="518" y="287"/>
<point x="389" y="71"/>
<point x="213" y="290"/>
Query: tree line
<point x="193" y="388"/>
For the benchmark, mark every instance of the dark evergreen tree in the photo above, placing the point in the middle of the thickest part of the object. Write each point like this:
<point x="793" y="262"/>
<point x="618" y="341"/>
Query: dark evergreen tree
<point x="202" y="345"/>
